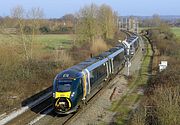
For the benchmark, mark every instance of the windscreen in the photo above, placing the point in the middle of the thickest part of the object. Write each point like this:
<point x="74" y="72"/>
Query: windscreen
<point x="63" y="85"/>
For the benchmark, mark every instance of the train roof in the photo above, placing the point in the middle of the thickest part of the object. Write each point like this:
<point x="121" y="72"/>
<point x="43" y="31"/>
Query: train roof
<point x="116" y="53"/>
<point x="69" y="74"/>
<point x="92" y="63"/>
<point x="132" y="39"/>
<point x="114" y="49"/>
<point x="103" y="55"/>
<point x="120" y="45"/>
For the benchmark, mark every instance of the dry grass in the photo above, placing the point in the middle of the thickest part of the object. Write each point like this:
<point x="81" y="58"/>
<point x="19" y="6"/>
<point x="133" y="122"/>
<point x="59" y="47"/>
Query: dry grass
<point x="20" y="79"/>
<point x="98" y="47"/>
<point x="167" y="99"/>
<point x="138" y="117"/>
<point x="63" y="58"/>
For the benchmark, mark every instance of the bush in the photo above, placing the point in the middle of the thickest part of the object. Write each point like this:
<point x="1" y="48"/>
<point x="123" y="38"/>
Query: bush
<point x="27" y="29"/>
<point x="44" y="29"/>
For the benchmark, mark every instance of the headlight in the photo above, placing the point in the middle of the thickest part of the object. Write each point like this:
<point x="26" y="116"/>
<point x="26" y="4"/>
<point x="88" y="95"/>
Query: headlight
<point x="72" y="94"/>
<point x="54" y="94"/>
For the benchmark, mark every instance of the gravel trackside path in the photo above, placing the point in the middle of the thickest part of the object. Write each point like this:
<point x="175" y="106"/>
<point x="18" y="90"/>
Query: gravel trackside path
<point x="99" y="112"/>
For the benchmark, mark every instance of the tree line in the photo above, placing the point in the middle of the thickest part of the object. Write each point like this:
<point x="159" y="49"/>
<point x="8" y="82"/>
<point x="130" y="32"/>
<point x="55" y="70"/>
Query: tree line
<point x="62" y="25"/>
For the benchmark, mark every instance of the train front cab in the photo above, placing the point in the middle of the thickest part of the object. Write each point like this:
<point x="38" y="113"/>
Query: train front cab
<point x="67" y="92"/>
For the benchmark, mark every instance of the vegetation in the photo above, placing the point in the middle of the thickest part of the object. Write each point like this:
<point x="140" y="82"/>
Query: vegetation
<point x="160" y="106"/>
<point x="20" y="78"/>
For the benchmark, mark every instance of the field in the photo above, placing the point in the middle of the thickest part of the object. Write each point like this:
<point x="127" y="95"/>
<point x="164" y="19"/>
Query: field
<point x="22" y="77"/>
<point x="54" y="41"/>
<point x="176" y="31"/>
<point x="50" y="41"/>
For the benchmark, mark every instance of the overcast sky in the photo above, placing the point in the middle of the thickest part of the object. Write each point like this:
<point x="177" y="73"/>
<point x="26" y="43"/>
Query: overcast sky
<point x="58" y="8"/>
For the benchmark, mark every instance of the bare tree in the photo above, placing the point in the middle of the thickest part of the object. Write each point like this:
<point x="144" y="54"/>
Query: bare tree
<point x="18" y="14"/>
<point x="36" y="17"/>
<point x="32" y="19"/>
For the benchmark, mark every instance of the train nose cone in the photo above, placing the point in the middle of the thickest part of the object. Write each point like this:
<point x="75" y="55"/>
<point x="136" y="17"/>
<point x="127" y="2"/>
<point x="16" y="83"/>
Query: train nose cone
<point x="63" y="104"/>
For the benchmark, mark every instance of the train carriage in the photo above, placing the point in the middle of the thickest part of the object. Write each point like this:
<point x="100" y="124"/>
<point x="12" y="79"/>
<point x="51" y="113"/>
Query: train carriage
<point x="117" y="59"/>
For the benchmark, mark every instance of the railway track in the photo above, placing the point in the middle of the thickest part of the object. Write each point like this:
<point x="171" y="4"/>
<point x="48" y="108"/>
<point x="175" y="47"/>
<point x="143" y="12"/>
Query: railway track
<point x="44" y="108"/>
<point x="30" y="114"/>
<point x="55" y="119"/>
<point x="128" y="34"/>
<point x="66" y="119"/>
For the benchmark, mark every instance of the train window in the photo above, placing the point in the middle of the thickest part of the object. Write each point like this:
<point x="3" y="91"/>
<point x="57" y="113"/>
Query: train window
<point x="97" y="74"/>
<point x="91" y="74"/>
<point x="63" y="86"/>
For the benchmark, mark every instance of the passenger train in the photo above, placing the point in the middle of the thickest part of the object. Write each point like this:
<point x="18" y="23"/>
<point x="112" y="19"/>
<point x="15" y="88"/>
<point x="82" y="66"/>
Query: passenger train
<point x="76" y="84"/>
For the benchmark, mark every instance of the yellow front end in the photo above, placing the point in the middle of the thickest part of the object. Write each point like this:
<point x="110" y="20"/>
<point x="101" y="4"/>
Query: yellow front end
<point x="62" y="94"/>
<point x="62" y="101"/>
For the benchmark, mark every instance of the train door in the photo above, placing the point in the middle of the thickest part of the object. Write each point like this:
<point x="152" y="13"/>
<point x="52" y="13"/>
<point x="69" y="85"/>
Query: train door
<point x="112" y="65"/>
<point x="107" y="70"/>
<point x="86" y="83"/>
<point x="109" y="66"/>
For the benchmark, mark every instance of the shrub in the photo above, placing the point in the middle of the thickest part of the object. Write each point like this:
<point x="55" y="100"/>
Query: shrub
<point x="98" y="46"/>
<point x="44" y="29"/>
